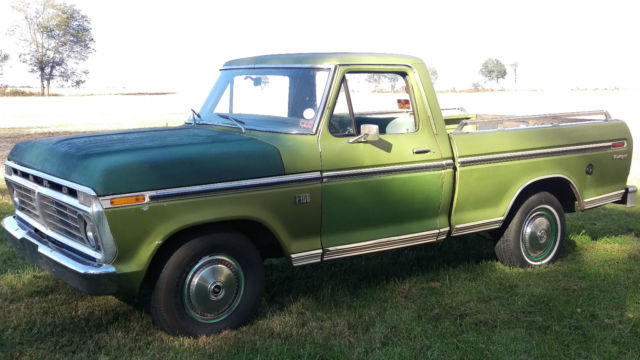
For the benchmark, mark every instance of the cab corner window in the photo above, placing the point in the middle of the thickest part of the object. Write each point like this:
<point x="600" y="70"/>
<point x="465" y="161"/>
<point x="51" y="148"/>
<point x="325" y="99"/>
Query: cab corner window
<point x="375" y="98"/>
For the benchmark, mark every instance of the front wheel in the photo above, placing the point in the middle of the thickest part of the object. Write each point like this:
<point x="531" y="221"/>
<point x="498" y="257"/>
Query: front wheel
<point x="535" y="234"/>
<point x="210" y="284"/>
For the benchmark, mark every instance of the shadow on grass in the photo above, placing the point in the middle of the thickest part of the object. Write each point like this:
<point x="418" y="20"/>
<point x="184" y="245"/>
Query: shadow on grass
<point x="431" y="260"/>
<point x="448" y="299"/>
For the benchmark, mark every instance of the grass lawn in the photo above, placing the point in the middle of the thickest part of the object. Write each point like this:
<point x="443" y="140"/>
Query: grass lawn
<point x="444" y="300"/>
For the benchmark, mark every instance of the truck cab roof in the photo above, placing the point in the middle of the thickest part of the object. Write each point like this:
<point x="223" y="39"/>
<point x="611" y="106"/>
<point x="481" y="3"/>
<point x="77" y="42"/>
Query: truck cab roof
<point x="323" y="59"/>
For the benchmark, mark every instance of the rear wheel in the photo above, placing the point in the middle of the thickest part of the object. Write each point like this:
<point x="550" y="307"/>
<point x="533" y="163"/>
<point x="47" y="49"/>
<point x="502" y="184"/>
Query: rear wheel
<point x="535" y="233"/>
<point x="210" y="284"/>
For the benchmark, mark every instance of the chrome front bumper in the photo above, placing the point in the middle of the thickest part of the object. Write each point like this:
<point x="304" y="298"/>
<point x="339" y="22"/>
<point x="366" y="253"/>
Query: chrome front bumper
<point x="94" y="279"/>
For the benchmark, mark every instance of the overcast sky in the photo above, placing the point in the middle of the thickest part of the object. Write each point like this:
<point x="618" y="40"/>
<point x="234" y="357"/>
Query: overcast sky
<point x="180" y="45"/>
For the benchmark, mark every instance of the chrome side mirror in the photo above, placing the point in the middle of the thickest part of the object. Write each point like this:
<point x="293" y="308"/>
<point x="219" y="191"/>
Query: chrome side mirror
<point x="368" y="132"/>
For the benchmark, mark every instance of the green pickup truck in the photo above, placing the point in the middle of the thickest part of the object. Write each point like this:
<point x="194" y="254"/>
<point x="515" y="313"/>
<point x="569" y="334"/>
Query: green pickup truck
<point x="311" y="157"/>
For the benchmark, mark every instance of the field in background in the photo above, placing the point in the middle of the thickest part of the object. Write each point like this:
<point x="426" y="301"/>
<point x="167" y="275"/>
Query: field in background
<point x="91" y="113"/>
<point x="445" y="300"/>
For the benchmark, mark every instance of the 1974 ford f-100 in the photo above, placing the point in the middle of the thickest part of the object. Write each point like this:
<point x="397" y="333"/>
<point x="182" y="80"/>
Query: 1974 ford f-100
<point x="309" y="156"/>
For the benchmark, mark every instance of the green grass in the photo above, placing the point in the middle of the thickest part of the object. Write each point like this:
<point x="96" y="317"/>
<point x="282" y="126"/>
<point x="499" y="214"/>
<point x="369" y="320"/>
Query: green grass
<point x="445" y="300"/>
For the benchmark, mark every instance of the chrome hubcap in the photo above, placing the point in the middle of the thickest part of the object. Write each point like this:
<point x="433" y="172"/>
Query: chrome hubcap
<point x="540" y="233"/>
<point x="213" y="288"/>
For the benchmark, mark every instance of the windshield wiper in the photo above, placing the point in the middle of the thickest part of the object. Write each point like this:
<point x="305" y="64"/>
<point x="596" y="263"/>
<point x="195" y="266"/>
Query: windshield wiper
<point x="194" y="115"/>
<point x="237" y="122"/>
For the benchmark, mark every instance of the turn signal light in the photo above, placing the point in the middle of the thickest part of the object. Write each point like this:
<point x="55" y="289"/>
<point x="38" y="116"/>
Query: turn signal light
<point x="128" y="200"/>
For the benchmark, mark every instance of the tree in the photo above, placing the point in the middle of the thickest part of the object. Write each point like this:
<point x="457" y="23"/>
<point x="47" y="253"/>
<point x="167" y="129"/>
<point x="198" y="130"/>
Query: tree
<point x="493" y="69"/>
<point x="56" y="38"/>
<point x="433" y="73"/>
<point x="379" y="78"/>
<point x="4" y="56"/>
<point x="514" y="66"/>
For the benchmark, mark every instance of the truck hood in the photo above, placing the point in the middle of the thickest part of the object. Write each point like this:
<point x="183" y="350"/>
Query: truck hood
<point x="150" y="159"/>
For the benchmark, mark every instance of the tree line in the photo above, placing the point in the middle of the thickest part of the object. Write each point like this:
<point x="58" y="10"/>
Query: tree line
<point x="54" y="38"/>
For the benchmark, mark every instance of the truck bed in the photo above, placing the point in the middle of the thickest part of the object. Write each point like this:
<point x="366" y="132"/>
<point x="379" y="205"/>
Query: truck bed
<point x="498" y="156"/>
<point x="465" y="123"/>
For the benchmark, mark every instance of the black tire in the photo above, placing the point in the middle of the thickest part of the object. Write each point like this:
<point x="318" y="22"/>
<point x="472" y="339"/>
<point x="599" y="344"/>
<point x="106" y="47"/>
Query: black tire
<point x="535" y="234"/>
<point x="210" y="284"/>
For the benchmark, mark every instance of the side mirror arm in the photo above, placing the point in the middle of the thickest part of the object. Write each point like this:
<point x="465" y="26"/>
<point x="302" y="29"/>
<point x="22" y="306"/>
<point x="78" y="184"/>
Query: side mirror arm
<point x="368" y="132"/>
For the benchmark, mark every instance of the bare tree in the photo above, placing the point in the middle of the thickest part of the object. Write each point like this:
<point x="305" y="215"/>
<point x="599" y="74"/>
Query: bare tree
<point x="55" y="38"/>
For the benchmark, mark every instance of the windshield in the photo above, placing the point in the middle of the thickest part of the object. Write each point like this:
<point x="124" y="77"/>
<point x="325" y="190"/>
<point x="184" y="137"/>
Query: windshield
<point x="273" y="99"/>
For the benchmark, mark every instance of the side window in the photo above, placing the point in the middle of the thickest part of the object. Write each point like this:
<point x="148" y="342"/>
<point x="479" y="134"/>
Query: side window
<point x="376" y="98"/>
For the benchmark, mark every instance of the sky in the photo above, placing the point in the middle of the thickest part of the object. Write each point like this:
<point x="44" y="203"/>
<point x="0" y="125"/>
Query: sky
<point x="180" y="45"/>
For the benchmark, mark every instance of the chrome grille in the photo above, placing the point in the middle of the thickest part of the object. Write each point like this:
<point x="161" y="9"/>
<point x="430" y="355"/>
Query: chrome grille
<point x="26" y="199"/>
<point x="62" y="218"/>
<point x="55" y="215"/>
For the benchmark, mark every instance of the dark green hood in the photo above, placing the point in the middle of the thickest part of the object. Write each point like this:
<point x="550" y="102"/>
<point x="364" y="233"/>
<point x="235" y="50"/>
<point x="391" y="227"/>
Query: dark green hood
<point x="150" y="159"/>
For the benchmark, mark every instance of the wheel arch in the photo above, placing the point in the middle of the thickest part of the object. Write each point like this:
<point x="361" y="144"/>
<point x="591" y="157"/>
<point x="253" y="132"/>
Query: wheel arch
<point x="258" y="234"/>
<point x="560" y="186"/>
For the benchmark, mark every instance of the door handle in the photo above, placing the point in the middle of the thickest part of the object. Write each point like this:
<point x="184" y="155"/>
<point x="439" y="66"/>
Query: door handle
<point x="424" y="150"/>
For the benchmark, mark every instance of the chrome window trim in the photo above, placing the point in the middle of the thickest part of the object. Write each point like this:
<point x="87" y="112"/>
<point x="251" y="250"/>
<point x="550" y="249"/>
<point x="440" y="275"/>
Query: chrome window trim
<point x="278" y="66"/>
<point x="424" y="96"/>
<point x="532" y="154"/>
<point x="603" y="199"/>
<point x="62" y="182"/>
<point x="413" y="98"/>
<point x="394" y="242"/>
<point x="477" y="226"/>
<point x="325" y="96"/>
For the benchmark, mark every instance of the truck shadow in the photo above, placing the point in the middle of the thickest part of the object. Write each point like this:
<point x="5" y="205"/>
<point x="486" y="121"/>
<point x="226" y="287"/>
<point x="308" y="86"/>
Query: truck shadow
<point x="362" y="273"/>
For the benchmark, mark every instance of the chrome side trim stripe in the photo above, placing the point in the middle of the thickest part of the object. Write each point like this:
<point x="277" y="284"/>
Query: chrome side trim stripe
<point x="294" y="179"/>
<point x="448" y="164"/>
<point x="444" y="233"/>
<point x="394" y="242"/>
<point x="305" y="258"/>
<point x="603" y="199"/>
<point x="477" y="226"/>
<point x="311" y="177"/>
<point x="234" y="185"/>
<point x="385" y="170"/>
<point x="532" y="154"/>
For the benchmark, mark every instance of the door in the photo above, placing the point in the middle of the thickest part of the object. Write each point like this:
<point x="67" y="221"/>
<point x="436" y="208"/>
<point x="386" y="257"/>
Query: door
<point x="384" y="193"/>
